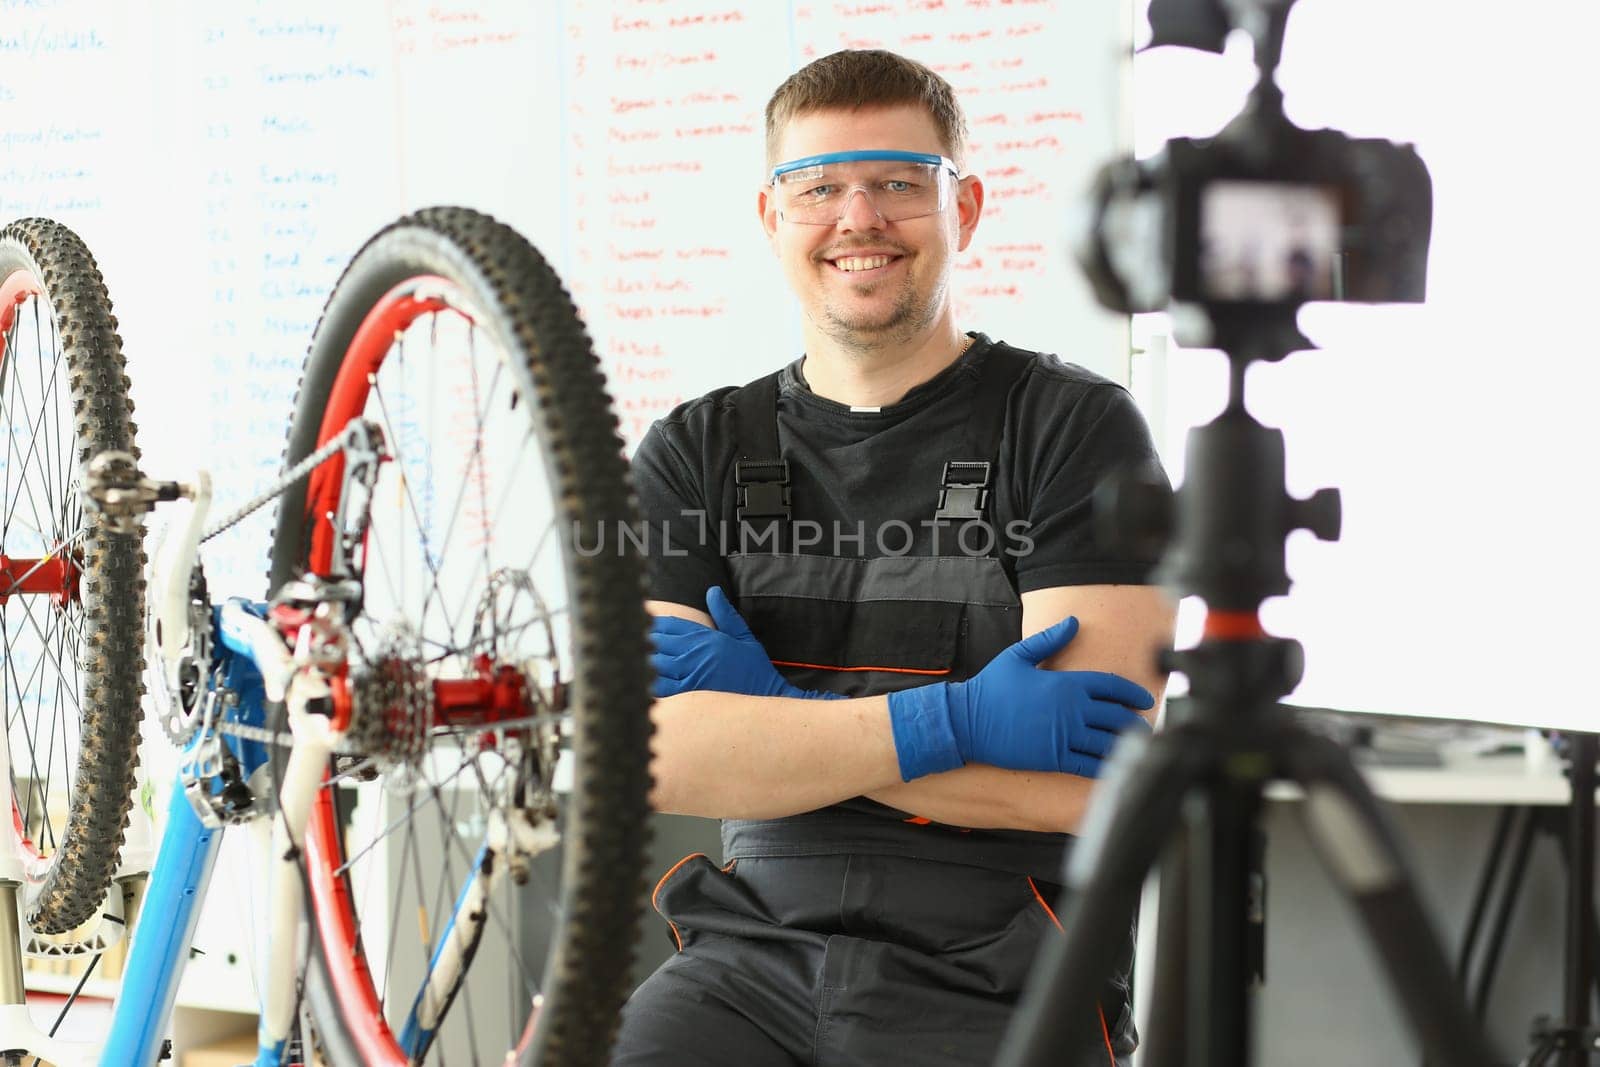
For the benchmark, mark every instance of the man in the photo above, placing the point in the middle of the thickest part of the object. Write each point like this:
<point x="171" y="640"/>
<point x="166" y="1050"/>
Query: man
<point x="880" y="523"/>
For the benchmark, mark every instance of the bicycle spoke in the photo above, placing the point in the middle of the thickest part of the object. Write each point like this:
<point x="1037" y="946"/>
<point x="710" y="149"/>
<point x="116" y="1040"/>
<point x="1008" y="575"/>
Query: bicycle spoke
<point x="396" y="916"/>
<point x="375" y="545"/>
<point x="350" y="861"/>
<point x="414" y="510"/>
<point x="474" y="459"/>
<point x="28" y="735"/>
<point x="480" y="568"/>
<point x="49" y="762"/>
<point x="27" y="613"/>
<point x="33" y="435"/>
<point x="47" y="407"/>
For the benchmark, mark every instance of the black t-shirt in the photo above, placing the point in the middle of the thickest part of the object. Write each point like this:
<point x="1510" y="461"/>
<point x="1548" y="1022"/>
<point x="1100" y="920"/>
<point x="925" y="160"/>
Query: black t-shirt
<point x="869" y="479"/>
<point x="868" y="483"/>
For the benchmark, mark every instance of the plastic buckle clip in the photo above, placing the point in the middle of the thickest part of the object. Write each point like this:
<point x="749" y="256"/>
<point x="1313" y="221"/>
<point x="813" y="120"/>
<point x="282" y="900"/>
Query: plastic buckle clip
<point x="964" y="492"/>
<point x="763" y="489"/>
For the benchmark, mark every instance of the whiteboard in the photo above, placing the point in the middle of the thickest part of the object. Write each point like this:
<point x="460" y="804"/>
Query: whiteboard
<point x="1462" y="433"/>
<point x="224" y="161"/>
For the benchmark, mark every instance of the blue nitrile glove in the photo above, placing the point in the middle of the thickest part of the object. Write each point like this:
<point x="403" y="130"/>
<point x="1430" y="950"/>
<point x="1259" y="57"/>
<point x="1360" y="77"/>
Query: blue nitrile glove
<point x="728" y="659"/>
<point x="1015" y="715"/>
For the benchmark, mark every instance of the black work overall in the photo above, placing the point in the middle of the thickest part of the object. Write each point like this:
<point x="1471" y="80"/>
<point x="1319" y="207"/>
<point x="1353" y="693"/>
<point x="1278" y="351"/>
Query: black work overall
<point x="859" y="935"/>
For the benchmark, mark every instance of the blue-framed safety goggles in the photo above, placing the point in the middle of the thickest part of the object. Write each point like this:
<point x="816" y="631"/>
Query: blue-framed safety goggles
<point x="816" y="190"/>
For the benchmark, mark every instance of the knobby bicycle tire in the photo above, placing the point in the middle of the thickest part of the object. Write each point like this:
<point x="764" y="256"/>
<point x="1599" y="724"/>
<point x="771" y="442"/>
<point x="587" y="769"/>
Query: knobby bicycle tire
<point x="519" y="302"/>
<point x="44" y="262"/>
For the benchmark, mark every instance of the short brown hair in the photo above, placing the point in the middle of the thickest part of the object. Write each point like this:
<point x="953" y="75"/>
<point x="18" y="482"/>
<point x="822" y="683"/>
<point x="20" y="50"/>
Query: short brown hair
<point x="866" y="78"/>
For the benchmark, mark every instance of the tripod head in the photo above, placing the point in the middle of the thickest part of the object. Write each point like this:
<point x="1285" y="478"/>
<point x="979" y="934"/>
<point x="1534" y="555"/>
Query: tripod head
<point x="1223" y="535"/>
<point x="1233" y="234"/>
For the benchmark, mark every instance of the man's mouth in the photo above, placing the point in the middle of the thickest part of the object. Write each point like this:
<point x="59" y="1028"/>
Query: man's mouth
<point x="862" y="264"/>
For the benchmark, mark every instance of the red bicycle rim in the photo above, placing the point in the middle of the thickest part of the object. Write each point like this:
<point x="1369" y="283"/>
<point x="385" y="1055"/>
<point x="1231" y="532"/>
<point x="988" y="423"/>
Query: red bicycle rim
<point x="332" y="908"/>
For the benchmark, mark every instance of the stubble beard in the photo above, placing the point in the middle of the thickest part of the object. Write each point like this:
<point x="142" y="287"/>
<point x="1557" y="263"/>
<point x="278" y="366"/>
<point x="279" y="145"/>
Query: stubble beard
<point x="907" y="316"/>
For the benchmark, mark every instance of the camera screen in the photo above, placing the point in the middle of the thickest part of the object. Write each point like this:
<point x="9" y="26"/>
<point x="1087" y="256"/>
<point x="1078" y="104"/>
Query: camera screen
<point x="1268" y="241"/>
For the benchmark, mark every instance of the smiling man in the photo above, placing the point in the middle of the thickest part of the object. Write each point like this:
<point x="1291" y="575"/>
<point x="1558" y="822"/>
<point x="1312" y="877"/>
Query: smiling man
<point x="891" y="655"/>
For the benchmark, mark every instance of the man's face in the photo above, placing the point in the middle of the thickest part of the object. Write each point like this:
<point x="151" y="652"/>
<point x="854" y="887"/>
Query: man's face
<point x="871" y="305"/>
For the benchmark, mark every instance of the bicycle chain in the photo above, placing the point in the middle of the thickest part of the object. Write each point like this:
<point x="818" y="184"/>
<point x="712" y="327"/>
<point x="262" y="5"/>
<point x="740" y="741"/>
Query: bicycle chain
<point x="354" y="430"/>
<point x="267" y="736"/>
<point x="346" y="747"/>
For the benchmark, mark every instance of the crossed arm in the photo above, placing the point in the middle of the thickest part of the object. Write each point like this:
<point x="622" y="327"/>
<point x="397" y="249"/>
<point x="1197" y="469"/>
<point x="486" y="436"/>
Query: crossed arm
<point x="726" y="755"/>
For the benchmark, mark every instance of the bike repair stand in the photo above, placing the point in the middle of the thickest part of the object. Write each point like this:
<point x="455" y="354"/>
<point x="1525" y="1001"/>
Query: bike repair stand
<point x="1200" y="782"/>
<point x="19" y="1036"/>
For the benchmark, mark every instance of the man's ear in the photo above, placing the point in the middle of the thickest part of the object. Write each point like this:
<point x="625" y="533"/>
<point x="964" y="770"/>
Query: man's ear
<point x="767" y="208"/>
<point x="969" y="207"/>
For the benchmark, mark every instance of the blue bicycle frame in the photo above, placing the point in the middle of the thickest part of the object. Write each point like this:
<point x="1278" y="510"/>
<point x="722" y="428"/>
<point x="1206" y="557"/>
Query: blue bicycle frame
<point x="182" y="870"/>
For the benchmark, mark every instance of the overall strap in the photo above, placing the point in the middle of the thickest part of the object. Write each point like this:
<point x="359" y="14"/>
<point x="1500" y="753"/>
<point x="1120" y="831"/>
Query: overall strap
<point x="1002" y="368"/>
<point x="760" y="473"/>
<point x="965" y="487"/>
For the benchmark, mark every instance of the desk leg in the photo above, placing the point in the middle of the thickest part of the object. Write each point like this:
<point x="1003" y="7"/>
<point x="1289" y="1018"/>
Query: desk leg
<point x="1480" y="898"/>
<point x="1502" y="918"/>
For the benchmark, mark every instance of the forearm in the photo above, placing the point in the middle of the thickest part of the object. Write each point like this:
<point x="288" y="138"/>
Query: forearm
<point x="990" y="798"/>
<point x="729" y="756"/>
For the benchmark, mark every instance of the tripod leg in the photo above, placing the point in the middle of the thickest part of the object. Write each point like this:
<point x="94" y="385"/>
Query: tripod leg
<point x="1258" y="905"/>
<point x="1166" y="1042"/>
<point x="1594" y="925"/>
<point x="1199" y="1000"/>
<point x="1580" y="962"/>
<point x="1221" y="964"/>
<point x="1362" y="852"/>
<point x="1132" y="814"/>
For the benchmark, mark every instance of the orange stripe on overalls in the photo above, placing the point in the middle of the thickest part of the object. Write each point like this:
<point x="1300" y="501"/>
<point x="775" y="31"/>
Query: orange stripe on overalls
<point x="1105" y="1031"/>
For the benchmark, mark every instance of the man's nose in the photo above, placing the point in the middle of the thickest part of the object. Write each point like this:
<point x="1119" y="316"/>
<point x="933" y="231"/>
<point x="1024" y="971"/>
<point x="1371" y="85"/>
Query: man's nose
<point x="859" y="212"/>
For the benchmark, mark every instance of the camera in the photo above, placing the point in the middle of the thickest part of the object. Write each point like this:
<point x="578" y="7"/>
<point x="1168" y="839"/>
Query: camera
<point x="1264" y="216"/>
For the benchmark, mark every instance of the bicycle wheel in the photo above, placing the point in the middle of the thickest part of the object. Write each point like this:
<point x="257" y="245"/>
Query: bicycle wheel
<point x="71" y="591"/>
<point x="451" y="333"/>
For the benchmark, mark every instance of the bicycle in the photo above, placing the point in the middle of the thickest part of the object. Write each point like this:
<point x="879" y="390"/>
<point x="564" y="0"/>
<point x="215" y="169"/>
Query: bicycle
<point x="411" y="683"/>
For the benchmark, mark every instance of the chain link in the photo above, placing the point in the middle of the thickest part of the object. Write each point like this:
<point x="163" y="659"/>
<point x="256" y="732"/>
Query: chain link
<point x="353" y="432"/>
<point x="268" y="736"/>
<point x="350" y="746"/>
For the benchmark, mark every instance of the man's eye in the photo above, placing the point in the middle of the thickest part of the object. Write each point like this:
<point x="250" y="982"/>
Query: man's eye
<point x="817" y="192"/>
<point x="899" y="185"/>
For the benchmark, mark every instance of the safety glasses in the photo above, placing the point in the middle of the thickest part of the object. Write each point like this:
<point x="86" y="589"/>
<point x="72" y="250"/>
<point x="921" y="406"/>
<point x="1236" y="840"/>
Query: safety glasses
<point x="817" y="190"/>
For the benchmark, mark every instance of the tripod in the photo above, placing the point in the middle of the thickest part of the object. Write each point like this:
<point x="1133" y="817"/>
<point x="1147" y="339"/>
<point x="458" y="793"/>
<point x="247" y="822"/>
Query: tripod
<point x="1572" y="1042"/>
<point x="1200" y="782"/>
